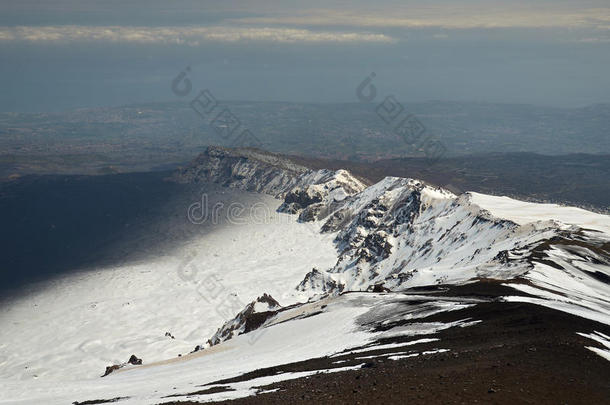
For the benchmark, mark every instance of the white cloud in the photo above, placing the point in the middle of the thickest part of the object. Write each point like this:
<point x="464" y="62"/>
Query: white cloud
<point x="447" y="16"/>
<point x="182" y="35"/>
<point x="595" y="40"/>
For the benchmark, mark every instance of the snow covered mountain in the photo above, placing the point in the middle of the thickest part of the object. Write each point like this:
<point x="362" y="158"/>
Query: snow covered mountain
<point x="388" y="272"/>
<point x="401" y="233"/>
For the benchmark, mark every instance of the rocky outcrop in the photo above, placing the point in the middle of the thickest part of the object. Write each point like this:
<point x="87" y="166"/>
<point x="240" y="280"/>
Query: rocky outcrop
<point x="133" y="360"/>
<point x="319" y="193"/>
<point x="252" y="317"/>
<point x="321" y="282"/>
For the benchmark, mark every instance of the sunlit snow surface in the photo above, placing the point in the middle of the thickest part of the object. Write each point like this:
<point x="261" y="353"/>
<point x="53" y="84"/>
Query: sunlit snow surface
<point x="313" y="330"/>
<point x="72" y="328"/>
<point x="568" y="288"/>
<point x="56" y="342"/>
<point x="522" y="212"/>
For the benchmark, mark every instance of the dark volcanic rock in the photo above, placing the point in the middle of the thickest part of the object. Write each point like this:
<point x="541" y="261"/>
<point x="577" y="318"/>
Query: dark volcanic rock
<point x="249" y="319"/>
<point x="110" y="369"/>
<point x="134" y="360"/>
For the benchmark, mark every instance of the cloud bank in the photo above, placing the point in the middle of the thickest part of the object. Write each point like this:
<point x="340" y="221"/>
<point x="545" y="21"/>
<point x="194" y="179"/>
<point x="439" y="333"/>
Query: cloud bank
<point x="447" y="16"/>
<point x="192" y="36"/>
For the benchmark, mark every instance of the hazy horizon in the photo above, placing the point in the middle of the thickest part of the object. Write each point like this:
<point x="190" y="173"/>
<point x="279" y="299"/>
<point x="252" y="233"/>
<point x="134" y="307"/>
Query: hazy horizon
<point x="66" y="54"/>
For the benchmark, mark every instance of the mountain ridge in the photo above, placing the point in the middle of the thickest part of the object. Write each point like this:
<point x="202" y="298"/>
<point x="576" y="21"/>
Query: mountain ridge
<point x="402" y="233"/>
<point x="365" y="291"/>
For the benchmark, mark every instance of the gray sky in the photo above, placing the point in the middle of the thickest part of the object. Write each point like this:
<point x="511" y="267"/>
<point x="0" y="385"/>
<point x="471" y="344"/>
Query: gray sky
<point x="68" y="54"/>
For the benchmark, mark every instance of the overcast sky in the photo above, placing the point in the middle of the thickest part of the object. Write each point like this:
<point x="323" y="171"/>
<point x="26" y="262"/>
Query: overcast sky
<point x="58" y="55"/>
